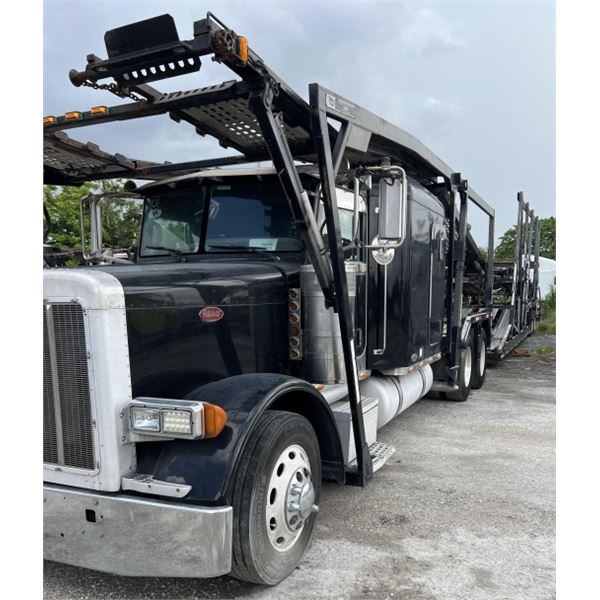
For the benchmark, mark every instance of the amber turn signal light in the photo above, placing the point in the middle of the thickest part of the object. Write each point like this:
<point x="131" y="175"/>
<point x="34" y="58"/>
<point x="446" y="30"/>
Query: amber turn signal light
<point x="215" y="419"/>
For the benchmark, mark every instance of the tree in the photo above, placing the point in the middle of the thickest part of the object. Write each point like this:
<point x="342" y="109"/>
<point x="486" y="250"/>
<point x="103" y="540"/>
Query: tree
<point x="548" y="238"/>
<point x="506" y="247"/>
<point x="121" y="217"/>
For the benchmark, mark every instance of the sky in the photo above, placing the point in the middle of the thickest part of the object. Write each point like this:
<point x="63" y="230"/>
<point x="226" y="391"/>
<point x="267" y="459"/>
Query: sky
<point x="474" y="81"/>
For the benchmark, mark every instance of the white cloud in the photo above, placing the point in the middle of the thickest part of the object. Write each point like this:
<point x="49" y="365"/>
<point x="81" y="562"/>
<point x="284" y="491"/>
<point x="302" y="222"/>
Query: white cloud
<point x="436" y="117"/>
<point x="427" y="31"/>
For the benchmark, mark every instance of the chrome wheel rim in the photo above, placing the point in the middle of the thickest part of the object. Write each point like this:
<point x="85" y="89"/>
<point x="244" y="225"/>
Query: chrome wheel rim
<point x="290" y="498"/>
<point x="467" y="366"/>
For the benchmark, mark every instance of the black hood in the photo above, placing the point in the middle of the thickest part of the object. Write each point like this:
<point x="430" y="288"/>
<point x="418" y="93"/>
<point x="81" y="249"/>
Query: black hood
<point x="203" y="283"/>
<point x="195" y="322"/>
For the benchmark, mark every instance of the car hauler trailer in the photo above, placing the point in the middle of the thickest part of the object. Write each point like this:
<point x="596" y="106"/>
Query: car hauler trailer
<point x="273" y="319"/>
<point x="516" y="301"/>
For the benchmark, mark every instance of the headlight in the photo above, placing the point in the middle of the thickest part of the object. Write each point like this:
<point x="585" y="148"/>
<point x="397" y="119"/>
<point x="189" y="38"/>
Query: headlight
<point x="177" y="421"/>
<point x="162" y="417"/>
<point x="145" y="419"/>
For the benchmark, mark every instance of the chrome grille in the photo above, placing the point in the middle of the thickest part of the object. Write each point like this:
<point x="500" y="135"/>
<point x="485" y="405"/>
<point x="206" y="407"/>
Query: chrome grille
<point x="68" y="439"/>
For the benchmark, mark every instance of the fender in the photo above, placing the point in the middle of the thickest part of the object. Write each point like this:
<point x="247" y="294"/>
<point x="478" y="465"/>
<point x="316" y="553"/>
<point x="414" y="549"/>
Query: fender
<point x="209" y="465"/>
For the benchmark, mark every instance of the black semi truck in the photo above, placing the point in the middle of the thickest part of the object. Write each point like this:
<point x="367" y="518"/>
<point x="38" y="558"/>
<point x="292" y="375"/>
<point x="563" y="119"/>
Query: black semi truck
<point x="271" y="321"/>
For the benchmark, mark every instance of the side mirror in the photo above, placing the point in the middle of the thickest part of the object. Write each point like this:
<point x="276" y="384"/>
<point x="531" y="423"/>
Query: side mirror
<point x="115" y="205"/>
<point x="392" y="219"/>
<point x="392" y="209"/>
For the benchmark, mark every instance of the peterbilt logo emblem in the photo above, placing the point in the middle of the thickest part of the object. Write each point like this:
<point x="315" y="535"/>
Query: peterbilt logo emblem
<point x="211" y="314"/>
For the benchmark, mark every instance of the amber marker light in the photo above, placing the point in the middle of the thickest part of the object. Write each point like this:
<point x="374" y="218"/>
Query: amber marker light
<point x="97" y="111"/>
<point x="243" y="49"/>
<point x="72" y="115"/>
<point x="49" y="120"/>
<point x="215" y="419"/>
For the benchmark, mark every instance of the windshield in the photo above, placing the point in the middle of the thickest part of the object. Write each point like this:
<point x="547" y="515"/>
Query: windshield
<point x="243" y="215"/>
<point x="253" y="215"/>
<point x="172" y="222"/>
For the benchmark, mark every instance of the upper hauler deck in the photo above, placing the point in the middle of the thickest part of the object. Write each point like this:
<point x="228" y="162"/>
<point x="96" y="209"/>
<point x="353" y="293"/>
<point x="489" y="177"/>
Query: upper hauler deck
<point x="222" y="111"/>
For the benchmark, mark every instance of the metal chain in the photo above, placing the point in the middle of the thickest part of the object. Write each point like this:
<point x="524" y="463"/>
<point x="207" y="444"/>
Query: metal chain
<point x="113" y="89"/>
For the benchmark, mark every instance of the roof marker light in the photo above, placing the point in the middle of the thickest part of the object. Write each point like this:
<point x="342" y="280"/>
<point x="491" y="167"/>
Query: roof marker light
<point x="98" y="110"/>
<point x="49" y="120"/>
<point x="72" y="115"/>
<point x="243" y="49"/>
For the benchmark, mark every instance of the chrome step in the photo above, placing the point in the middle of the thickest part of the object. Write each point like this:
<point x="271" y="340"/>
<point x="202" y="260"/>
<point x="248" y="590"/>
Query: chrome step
<point x="380" y="454"/>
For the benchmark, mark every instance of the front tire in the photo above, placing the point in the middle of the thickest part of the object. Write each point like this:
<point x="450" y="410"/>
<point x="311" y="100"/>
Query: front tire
<point x="275" y="498"/>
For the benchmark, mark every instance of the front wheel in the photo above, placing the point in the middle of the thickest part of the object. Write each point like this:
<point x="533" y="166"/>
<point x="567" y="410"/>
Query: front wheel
<point x="275" y="498"/>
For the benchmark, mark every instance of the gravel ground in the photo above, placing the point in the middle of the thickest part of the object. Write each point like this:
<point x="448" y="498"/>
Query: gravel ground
<point x="464" y="510"/>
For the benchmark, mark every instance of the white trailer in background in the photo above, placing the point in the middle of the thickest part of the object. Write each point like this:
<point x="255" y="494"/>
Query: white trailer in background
<point x="547" y="275"/>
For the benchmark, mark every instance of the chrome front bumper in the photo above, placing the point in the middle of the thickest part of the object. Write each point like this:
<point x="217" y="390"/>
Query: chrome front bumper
<point x="126" y="535"/>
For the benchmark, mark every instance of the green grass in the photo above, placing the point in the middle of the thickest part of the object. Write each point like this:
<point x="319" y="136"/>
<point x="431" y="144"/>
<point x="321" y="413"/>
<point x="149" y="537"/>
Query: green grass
<point x="546" y="350"/>
<point x="548" y="323"/>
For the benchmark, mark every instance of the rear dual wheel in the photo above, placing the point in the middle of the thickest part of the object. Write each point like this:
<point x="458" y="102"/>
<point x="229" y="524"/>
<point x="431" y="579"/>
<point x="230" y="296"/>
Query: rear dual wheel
<point x="464" y="374"/>
<point x="472" y="368"/>
<point x="275" y="498"/>
<point x="479" y="361"/>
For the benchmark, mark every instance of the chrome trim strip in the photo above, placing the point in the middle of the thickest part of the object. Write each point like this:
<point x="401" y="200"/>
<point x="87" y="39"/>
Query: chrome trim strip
<point x="430" y="289"/>
<point x="380" y="351"/>
<point x="146" y="484"/>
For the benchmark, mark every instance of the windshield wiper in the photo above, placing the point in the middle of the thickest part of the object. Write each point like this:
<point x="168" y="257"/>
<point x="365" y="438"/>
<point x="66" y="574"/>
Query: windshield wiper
<point x="171" y="251"/>
<point x="254" y="249"/>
